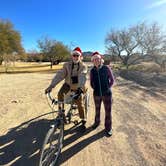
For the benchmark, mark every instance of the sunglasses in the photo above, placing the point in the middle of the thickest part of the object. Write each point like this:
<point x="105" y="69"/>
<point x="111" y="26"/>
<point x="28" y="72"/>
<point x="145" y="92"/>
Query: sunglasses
<point x="75" y="55"/>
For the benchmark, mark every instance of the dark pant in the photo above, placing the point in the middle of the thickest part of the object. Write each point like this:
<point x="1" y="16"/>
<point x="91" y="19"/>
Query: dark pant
<point x="107" y="100"/>
<point x="80" y="102"/>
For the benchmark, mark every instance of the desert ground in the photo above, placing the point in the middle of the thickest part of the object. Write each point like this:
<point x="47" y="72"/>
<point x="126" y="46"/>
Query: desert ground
<point x="139" y="125"/>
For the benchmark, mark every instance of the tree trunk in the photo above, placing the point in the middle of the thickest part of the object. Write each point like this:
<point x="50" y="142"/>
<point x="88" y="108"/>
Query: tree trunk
<point x="1" y="59"/>
<point x="127" y="66"/>
<point x="125" y="62"/>
<point x="163" y="66"/>
<point x="51" y="65"/>
<point x="1" y="62"/>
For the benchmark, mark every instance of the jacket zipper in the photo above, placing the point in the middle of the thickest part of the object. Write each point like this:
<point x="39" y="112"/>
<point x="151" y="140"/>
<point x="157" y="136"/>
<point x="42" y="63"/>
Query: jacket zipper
<point x="99" y="82"/>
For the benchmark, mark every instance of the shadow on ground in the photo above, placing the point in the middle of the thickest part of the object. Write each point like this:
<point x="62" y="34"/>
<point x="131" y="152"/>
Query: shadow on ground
<point x="67" y="154"/>
<point x="20" y="146"/>
<point x="144" y="78"/>
<point x="154" y="91"/>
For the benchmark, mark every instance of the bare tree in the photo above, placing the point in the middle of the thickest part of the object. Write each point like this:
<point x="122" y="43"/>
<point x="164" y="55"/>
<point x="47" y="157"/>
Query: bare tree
<point x="114" y="43"/>
<point x="137" y="42"/>
<point x="122" y="42"/>
<point x="153" y="40"/>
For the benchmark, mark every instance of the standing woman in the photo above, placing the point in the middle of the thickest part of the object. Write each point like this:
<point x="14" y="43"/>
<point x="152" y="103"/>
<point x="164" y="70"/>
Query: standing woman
<point x="101" y="80"/>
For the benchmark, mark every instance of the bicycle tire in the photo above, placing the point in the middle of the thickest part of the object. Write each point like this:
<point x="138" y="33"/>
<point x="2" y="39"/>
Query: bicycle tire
<point x="86" y="100"/>
<point x="52" y="145"/>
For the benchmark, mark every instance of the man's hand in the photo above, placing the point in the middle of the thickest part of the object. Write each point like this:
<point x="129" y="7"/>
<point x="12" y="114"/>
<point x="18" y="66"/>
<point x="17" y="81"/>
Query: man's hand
<point x="78" y="93"/>
<point x="48" y="90"/>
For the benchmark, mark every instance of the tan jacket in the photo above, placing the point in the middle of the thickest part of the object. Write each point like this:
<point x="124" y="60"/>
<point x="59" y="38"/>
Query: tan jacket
<point x="66" y="72"/>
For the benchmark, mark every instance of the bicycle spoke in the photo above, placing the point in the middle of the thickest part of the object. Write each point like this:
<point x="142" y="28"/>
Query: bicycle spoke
<point x="52" y="146"/>
<point x="49" y="158"/>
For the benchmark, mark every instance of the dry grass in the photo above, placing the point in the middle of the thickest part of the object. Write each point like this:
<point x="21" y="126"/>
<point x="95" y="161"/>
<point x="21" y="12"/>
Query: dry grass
<point x="147" y="67"/>
<point x="29" y="67"/>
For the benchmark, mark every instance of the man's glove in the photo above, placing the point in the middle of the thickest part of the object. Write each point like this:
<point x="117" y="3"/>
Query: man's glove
<point x="48" y="90"/>
<point x="78" y="93"/>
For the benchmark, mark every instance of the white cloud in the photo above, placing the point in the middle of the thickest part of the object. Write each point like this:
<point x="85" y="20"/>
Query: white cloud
<point x="157" y="4"/>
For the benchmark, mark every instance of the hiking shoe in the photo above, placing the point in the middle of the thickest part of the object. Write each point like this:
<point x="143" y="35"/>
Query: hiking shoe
<point x="109" y="133"/>
<point x="95" y="125"/>
<point x="83" y="122"/>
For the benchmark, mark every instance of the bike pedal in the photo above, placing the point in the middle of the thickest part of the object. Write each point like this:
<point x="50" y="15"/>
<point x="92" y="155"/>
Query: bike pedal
<point x="74" y="107"/>
<point x="76" y="122"/>
<point x="52" y="126"/>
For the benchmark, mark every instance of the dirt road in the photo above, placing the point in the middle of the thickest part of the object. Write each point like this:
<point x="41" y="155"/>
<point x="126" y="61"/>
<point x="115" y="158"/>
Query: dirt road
<point x="139" y="126"/>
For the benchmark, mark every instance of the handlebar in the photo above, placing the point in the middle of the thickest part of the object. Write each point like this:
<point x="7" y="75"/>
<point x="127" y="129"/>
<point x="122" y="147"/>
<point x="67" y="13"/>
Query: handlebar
<point x="66" y="101"/>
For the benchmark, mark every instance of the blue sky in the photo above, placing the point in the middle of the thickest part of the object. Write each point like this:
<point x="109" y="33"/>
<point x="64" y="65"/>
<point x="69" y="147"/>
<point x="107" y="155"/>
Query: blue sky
<point x="83" y="23"/>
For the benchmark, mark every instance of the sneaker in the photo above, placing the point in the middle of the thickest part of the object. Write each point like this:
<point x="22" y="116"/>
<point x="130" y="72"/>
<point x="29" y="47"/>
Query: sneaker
<point x="95" y="125"/>
<point x="82" y="128"/>
<point x="109" y="133"/>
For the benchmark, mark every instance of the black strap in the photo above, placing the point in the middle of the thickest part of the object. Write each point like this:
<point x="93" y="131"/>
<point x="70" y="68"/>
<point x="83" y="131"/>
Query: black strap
<point x="72" y="67"/>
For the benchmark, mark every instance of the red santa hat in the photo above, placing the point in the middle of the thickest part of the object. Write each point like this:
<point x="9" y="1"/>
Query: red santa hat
<point x="77" y="50"/>
<point x="96" y="55"/>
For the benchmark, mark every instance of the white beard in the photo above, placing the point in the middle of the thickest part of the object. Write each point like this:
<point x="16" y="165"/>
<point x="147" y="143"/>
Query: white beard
<point x="76" y="61"/>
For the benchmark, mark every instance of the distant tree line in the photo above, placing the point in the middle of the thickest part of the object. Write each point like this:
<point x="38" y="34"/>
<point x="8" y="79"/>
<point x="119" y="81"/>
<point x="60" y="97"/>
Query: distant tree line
<point x="50" y="50"/>
<point x="10" y="42"/>
<point x="128" y="45"/>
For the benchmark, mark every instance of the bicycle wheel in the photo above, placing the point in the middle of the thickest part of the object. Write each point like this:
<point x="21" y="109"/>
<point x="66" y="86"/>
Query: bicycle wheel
<point x="86" y="100"/>
<point x="52" y="145"/>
